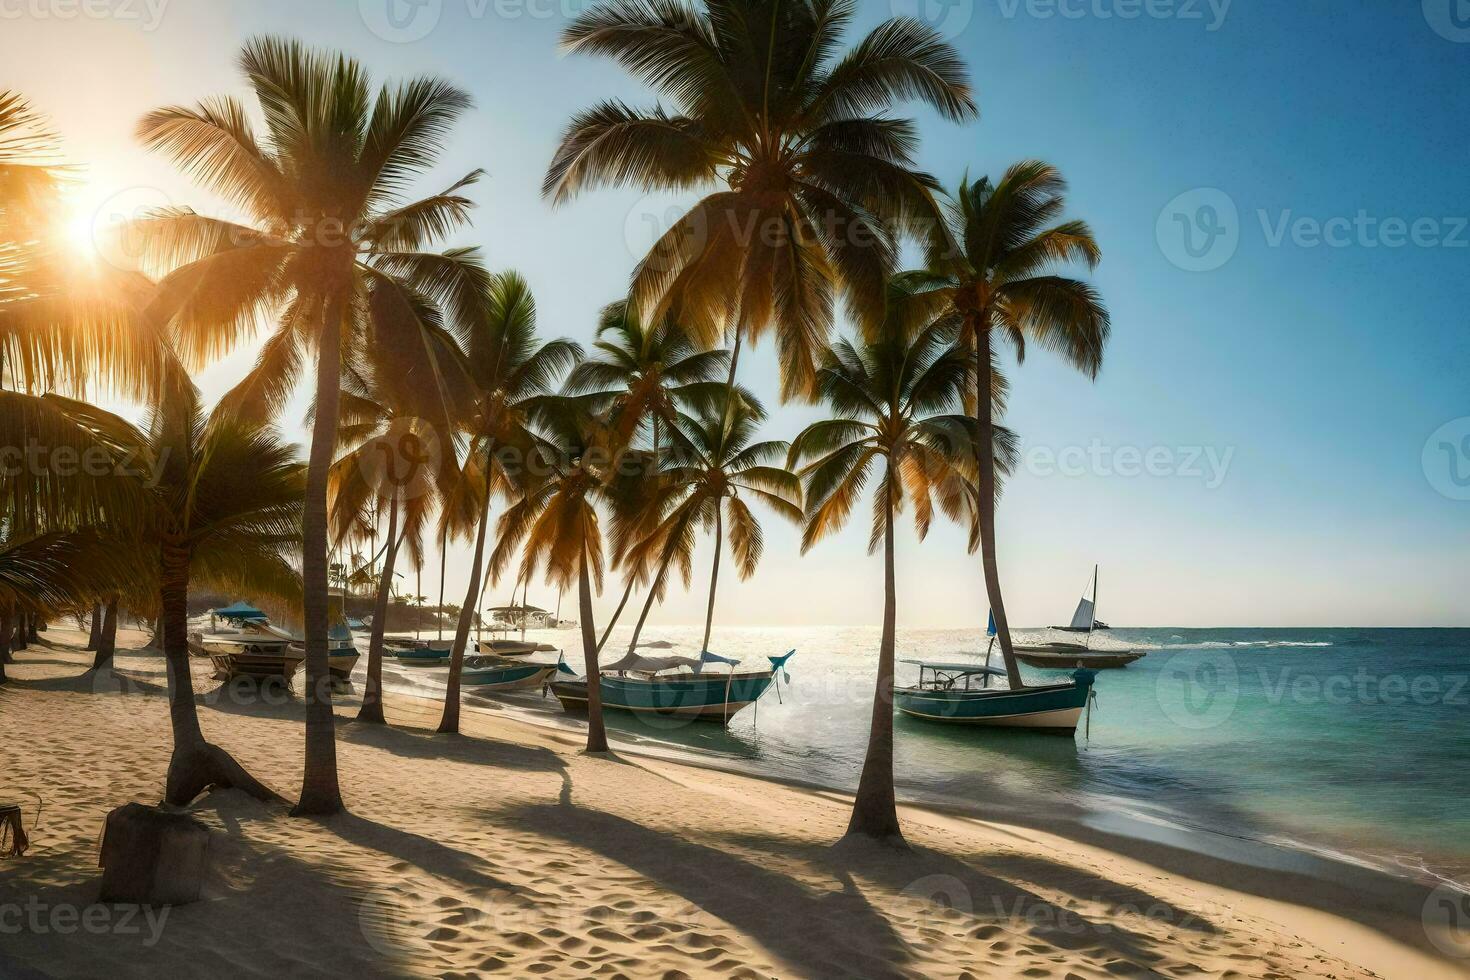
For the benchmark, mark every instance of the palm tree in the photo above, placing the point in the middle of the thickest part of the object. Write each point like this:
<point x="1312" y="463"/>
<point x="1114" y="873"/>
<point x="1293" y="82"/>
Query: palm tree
<point x="510" y="372"/>
<point x="335" y="247"/>
<point x="577" y="468"/>
<point x="896" y="405"/>
<point x="229" y="505"/>
<point x="389" y="468"/>
<point x="993" y="267"/>
<point x="712" y="462"/>
<point x="810" y="182"/>
<point x="641" y="377"/>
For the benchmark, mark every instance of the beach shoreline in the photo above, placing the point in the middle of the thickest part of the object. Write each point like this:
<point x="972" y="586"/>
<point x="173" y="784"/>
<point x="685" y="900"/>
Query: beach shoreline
<point x="1085" y="892"/>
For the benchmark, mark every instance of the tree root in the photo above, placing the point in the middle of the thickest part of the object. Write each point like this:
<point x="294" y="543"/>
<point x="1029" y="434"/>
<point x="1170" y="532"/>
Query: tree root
<point x="202" y="766"/>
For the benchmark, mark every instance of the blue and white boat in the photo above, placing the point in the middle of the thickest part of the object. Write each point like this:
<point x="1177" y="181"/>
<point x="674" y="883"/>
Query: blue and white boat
<point x="962" y="694"/>
<point x="678" y="686"/>
<point x="419" y="653"/>
<point x="495" y="674"/>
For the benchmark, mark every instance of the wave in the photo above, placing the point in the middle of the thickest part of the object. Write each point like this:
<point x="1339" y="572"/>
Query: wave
<point x="1233" y="644"/>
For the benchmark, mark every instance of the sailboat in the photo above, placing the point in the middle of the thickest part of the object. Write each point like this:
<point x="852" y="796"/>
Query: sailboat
<point x="1070" y="653"/>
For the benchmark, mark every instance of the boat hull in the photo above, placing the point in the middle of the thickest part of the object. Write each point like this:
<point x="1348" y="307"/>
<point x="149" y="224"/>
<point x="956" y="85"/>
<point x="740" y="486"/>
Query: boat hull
<point x="1054" y="708"/>
<point x="713" y="696"/>
<point x="506" y="677"/>
<point x="420" y="656"/>
<point x="1065" y="659"/>
<point x="260" y="662"/>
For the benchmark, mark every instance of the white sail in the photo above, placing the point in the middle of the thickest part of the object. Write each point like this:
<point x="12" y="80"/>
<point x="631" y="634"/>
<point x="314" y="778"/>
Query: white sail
<point x="1082" y="619"/>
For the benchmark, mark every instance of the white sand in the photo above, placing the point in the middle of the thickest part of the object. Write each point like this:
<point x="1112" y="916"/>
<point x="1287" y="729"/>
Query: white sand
<point x="506" y="851"/>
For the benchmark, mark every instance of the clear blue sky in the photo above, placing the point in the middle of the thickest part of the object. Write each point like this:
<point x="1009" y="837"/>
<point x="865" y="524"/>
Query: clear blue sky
<point x="1313" y="371"/>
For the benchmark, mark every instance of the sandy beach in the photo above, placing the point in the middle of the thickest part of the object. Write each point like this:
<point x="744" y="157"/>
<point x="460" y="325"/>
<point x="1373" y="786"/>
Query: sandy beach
<point x="507" y="851"/>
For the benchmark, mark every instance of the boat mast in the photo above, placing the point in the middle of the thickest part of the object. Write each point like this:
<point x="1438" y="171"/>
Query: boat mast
<point x="1093" y="625"/>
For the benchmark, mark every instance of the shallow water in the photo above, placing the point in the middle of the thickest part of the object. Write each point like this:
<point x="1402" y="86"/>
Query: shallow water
<point x="1355" y="741"/>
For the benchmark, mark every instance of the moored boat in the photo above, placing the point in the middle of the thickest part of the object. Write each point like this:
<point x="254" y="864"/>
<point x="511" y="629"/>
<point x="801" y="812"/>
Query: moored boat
<point x="512" y="648"/>
<point x="418" y="653"/>
<point x="495" y="674"/>
<point x="1072" y="653"/>
<point x="962" y="694"/>
<point x="677" y="686"/>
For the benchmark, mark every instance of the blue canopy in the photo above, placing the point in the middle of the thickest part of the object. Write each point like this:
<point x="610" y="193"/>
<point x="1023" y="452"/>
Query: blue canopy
<point x="240" y="610"/>
<point x="714" y="658"/>
<point x="779" y="662"/>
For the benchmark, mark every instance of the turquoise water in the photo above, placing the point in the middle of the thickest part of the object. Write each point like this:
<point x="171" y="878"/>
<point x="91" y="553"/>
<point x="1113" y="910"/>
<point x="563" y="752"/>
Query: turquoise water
<point x="1355" y="741"/>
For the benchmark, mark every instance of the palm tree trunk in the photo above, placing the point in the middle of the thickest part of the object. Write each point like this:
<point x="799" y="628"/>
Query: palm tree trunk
<point x="195" y="765"/>
<point x="320" y="793"/>
<point x="107" y="645"/>
<point x="616" y="613"/>
<point x="984" y="412"/>
<point x="372" y="695"/>
<point x="450" y="720"/>
<point x="874" y="813"/>
<point x="18" y="634"/>
<point x="33" y="628"/>
<point x="596" y="733"/>
<point x="95" y="633"/>
<point x="7" y="626"/>
<point x="714" y="577"/>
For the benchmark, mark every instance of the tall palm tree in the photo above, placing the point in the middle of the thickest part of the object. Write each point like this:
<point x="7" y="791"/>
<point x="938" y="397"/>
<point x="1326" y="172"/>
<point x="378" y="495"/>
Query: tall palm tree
<point x="334" y="247"/>
<point x="810" y="183"/>
<point x="712" y="462"/>
<point x="579" y="468"/>
<point x="510" y="372"/>
<point x="996" y="268"/>
<point x="896" y="407"/>
<point x="642" y="377"/>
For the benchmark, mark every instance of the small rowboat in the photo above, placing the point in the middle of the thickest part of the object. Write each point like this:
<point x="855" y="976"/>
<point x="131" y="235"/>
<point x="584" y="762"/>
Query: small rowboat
<point x="513" y="648"/>
<point x="494" y="674"/>
<point x="419" y="653"/>
<point x="960" y="694"/>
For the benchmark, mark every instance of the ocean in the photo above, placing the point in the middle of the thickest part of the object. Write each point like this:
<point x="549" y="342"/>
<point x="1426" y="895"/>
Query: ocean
<point x="1351" y="742"/>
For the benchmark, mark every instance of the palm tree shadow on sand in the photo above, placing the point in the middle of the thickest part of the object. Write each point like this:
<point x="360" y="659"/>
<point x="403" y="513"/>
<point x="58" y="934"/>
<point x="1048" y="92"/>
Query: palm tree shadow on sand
<point x="834" y="934"/>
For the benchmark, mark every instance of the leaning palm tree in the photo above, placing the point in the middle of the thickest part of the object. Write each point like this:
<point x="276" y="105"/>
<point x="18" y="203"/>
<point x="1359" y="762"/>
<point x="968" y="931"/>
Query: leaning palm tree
<point x="810" y="183"/>
<point x="713" y="461"/>
<point x="996" y="268"/>
<point x="334" y="248"/>
<point x="896" y="407"/>
<point x="510" y="372"/>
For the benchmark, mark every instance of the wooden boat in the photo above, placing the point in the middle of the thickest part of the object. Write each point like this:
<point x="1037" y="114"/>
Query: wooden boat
<point x="677" y="686"/>
<point x="1060" y="656"/>
<point x="961" y="694"/>
<point x="495" y="674"/>
<point x="512" y="648"/>
<point x="419" y="653"/>
<point x="256" y="649"/>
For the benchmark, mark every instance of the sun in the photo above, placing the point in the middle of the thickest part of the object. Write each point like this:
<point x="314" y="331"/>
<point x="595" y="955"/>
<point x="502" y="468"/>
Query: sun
<point x="79" y="233"/>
